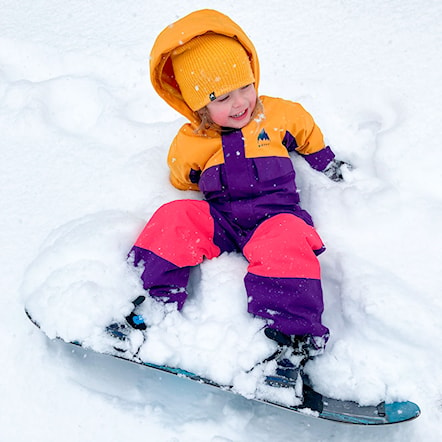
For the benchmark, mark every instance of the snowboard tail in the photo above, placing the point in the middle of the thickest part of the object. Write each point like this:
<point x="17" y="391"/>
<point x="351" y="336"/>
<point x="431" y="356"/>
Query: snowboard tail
<point x="314" y="404"/>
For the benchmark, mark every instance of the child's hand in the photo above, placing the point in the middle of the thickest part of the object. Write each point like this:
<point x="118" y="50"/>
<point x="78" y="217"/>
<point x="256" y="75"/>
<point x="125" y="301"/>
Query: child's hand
<point x="334" y="170"/>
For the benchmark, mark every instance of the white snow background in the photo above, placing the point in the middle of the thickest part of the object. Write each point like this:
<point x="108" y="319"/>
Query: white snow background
<point x="83" y="148"/>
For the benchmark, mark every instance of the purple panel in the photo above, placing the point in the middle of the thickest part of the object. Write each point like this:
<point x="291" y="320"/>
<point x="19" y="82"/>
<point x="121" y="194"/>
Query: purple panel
<point x="163" y="279"/>
<point x="320" y="160"/>
<point x="289" y="142"/>
<point x="292" y="305"/>
<point x="249" y="190"/>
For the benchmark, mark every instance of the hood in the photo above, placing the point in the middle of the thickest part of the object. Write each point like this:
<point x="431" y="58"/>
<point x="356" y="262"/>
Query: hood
<point x="195" y="24"/>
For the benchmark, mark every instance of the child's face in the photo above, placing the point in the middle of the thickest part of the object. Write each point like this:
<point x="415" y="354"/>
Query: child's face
<point x="235" y="108"/>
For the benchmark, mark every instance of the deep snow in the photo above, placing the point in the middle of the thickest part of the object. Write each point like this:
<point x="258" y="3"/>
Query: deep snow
<point x="83" y="148"/>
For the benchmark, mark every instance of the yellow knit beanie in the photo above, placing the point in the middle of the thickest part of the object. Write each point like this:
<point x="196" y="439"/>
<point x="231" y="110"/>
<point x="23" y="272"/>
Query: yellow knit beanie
<point x="208" y="66"/>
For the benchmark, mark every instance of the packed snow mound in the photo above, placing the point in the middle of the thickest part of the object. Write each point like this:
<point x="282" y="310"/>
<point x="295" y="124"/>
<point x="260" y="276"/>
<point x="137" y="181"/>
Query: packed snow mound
<point x="80" y="280"/>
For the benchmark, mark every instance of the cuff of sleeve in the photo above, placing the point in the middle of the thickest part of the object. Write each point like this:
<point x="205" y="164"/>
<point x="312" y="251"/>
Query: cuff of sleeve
<point x="182" y="186"/>
<point x="321" y="159"/>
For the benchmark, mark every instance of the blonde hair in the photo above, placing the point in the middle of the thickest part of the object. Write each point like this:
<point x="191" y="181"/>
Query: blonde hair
<point x="207" y="122"/>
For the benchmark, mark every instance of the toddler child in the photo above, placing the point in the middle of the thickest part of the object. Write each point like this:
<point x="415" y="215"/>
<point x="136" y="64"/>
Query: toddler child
<point x="235" y="150"/>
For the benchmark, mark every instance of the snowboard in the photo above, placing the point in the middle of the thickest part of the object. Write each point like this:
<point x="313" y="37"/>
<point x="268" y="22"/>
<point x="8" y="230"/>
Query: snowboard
<point x="314" y="404"/>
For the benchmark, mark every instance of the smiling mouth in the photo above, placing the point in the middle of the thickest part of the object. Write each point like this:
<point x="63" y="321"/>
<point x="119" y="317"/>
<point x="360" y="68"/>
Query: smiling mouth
<point x="239" y="115"/>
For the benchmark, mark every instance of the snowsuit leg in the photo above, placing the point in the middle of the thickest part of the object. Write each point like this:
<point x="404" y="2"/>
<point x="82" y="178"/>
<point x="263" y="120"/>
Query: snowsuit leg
<point x="283" y="279"/>
<point x="178" y="236"/>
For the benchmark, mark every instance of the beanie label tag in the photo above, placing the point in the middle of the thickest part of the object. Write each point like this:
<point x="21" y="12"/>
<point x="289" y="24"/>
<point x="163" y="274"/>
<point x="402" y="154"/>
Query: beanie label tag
<point x="212" y="96"/>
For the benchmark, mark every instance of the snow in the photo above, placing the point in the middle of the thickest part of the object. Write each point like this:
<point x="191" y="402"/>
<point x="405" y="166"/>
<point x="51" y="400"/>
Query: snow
<point x="83" y="165"/>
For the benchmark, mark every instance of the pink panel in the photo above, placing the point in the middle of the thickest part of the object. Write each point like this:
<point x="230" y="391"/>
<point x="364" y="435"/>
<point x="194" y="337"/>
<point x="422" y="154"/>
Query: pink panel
<point x="284" y="246"/>
<point x="180" y="232"/>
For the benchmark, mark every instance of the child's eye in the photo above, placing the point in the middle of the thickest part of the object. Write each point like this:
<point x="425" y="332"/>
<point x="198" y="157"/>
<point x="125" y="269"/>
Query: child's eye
<point x="245" y="87"/>
<point x="222" y="98"/>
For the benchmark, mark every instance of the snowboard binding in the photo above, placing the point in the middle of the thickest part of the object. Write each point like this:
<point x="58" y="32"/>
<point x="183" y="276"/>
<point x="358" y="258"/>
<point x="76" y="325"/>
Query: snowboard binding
<point x="122" y="331"/>
<point x="292" y="354"/>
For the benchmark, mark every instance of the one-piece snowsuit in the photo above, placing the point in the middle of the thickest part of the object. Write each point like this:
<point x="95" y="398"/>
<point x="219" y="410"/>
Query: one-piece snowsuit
<point x="251" y="204"/>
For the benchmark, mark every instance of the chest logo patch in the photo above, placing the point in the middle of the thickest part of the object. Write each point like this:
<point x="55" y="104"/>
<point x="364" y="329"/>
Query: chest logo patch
<point x="263" y="139"/>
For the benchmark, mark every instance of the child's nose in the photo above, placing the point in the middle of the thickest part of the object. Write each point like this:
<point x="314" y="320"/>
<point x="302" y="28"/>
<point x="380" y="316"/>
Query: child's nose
<point x="238" y="100"/>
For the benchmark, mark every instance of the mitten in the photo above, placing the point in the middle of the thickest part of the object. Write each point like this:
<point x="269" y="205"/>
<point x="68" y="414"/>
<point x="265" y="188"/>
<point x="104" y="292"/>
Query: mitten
<point x="334" y="170"/>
